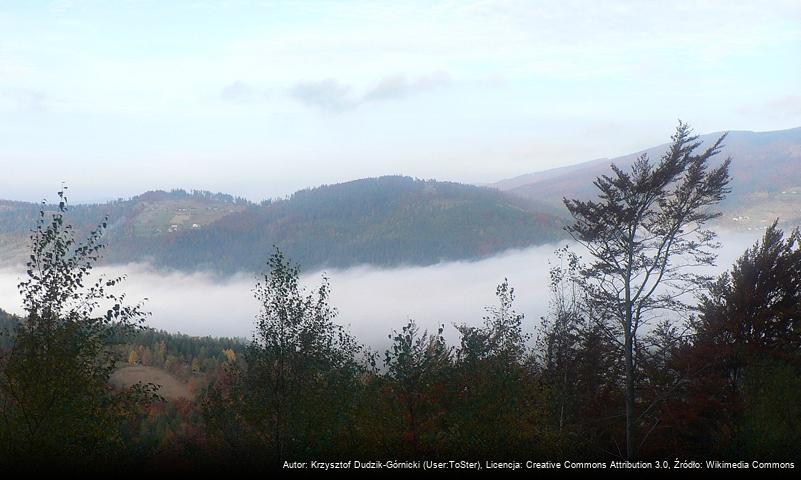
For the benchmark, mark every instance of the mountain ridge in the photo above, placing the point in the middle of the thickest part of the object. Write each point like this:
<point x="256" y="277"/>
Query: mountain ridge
<point x="765" y="171"/>
<point x="385" y="221"/>
<point x="518" y="180"/>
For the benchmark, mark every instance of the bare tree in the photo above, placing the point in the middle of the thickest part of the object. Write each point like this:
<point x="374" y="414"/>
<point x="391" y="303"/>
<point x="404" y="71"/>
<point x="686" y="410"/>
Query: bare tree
<point x="646" y="236"/>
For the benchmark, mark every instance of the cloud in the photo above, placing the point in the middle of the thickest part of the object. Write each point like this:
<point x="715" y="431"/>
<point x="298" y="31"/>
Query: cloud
<point x="371" y="301"/>
<point x="241" y="92"/>
<point x="334" y="96"/>
<point x="399" y="86"/>
<point x="23" y="99"/>
<point x="327" y="95"/>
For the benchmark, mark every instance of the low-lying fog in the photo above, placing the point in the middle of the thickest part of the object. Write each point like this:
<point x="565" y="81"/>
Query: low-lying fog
<point x="371" y="301"/>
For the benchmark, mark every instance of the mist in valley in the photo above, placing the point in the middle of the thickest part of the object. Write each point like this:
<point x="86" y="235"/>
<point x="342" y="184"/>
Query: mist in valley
<point x="371" y="301"/>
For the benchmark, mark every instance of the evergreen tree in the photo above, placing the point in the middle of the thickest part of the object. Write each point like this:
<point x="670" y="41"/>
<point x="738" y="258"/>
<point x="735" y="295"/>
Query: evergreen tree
<point x="747" y="350"/>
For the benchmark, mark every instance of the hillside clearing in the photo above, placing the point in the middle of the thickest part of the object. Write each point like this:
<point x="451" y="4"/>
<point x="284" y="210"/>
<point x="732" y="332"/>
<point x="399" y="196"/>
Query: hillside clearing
<point x="169" y="387"/>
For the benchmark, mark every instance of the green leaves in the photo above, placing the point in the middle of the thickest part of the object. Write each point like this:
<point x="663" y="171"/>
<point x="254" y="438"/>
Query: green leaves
<point x="55" y="400"/>
<point x="294" y="388"/>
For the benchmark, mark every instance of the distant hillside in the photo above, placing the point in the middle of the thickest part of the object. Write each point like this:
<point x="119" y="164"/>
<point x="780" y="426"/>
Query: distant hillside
<point x="8" y="324"/>
<point x="380" y="221"/>
<point x="149" y="215"/>
<point x="766" y="178"/>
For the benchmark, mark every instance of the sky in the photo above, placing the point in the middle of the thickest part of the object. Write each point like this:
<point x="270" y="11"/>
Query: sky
<point x="260" y="99"/>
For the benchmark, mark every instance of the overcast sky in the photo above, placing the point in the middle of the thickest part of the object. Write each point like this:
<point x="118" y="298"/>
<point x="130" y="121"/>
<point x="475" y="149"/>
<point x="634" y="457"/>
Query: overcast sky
<point x="263" y="98"/>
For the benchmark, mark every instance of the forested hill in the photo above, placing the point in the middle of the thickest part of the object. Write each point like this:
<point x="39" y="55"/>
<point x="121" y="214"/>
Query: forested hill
<point x="383" y="221"/>
<point x="8" y="323"/>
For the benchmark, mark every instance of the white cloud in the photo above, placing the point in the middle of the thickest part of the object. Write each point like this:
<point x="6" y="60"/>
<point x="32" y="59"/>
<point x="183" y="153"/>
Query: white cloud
<point x="334" y="96"/>
<point x="22" y="99"/>
<point x="399" y="86"/>
<point x="326" y="94"/>
<point x="371" y="301"/>
<point x="241" y="92"/>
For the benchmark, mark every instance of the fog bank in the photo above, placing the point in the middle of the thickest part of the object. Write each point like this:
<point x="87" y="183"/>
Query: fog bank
<point x="371" y="301"/>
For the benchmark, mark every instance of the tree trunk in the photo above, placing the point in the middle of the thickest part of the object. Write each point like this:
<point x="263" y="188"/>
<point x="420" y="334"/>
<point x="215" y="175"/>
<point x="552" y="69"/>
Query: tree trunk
<point x="413" y="425"/>
<point x="629" y="365"/>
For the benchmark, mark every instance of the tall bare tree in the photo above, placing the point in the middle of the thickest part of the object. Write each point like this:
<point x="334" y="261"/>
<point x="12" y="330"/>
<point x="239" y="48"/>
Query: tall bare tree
<point x="646" y="238"/>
